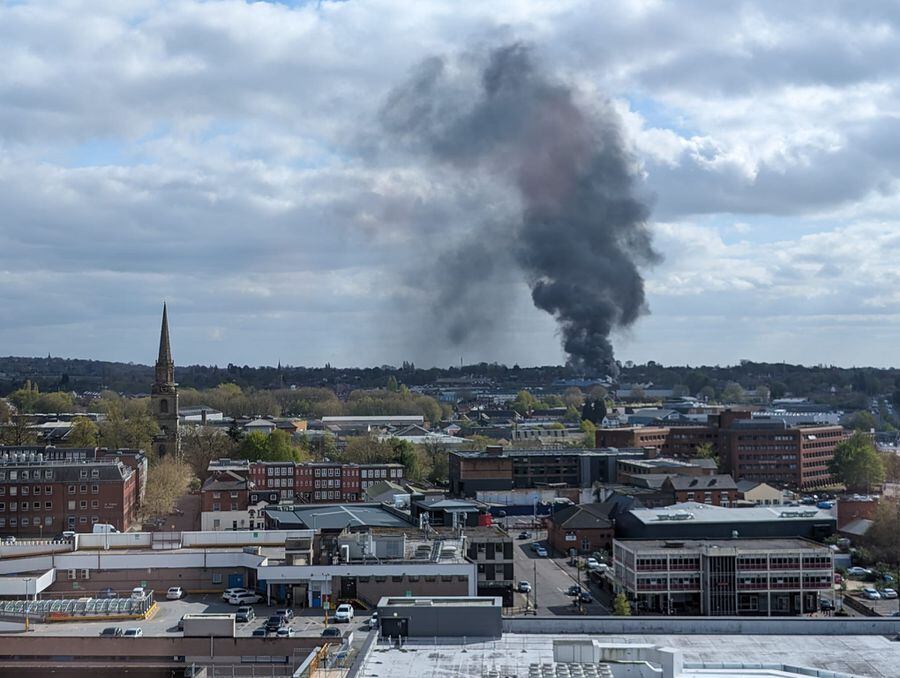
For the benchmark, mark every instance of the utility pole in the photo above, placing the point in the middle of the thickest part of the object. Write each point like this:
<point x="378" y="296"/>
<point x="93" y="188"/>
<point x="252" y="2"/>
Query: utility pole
<point x="534" y="588"/>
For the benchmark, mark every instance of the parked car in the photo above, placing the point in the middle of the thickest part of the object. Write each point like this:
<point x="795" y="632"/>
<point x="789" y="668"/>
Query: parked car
<point x="285" y="632"/>
<point x="133" y="633"/>
<point x="9" y="540"/>
<point x="175" y="593"/>
<point x="888" y="593"/>
<point x="246" y="598"/>
<point x="372" y="622"/>
<point x="111" y="632"/>
<point x="138" y="593"/>
<point x="261" y="631"/>
<point x="285" y="612"/>
<point x="535" y="545"/>
<point x="574" y="590"/>
<point x="227" y="593"/>
<point x="871" y="594"/>
<point x="108" y="593"/>
<point x="331" y="632"/>
<point x="245" y="614"/>
<point x="523" y="587"/>
<point x="857" y="571"/>
<point x="825" y="505"/>
<point x="68" y="534"/>
<point x="275" y="622"/>
<point x="591" y="562"/>
<point x="524" y="535"/>
<point x="585" y="597"/>
<point x="343" y="613"/>
<point x="541" y="552"/>
<point x="826" y="604"/>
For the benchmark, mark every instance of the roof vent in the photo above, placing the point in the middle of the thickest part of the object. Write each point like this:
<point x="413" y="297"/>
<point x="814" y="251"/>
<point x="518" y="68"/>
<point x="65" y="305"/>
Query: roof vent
<point x="673" y="545"/>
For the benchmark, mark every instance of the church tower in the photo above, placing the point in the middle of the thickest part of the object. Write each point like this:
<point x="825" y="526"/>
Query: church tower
<point x="164" y="397"/>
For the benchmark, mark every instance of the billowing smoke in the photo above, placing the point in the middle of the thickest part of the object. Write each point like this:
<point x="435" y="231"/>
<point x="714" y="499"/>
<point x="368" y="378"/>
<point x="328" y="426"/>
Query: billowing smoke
<point x="579" y="231"/>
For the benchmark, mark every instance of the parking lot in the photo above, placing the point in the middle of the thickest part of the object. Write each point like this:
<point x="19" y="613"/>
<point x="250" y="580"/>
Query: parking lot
<point x="306" y="622"/>
<point x="550" y="579"/>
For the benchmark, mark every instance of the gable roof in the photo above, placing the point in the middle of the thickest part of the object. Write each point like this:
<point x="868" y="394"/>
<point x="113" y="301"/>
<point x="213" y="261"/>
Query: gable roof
<point x="582" y="517"/>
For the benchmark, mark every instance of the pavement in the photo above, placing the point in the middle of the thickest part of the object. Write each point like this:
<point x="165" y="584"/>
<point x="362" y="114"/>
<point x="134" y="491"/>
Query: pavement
<point x="306" y="622"/>
<point x="550" y="579"/>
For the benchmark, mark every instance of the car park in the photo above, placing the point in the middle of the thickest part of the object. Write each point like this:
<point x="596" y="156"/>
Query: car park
<point x="331" y="632"/>
<point x="523" y="586"/>
<point x="871" y="594"/>
<point x="285" y="632"/>
<point x="228" y="593"/>
<point x="343" y="613"/>
<point x="111" y="632"/>
<point x="245" y="614"/>
<point x="175" y="593"/>
<point x="275" y="622"/>
<point x="246" y="598"/>
<point x="133" y="633"/>
<point x="888" y="593"/>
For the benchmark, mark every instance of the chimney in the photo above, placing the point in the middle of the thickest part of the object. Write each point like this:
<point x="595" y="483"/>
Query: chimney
<point x="493" y="450"/>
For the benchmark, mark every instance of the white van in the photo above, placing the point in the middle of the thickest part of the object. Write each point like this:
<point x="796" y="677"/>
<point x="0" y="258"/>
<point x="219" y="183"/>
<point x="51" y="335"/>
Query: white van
<point x="104" y="528"/>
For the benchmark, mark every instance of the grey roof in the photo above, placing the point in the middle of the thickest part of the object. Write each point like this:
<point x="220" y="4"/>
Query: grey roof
<point x="693" y="512"/>
<point x="857" y="527"/>
<point x="336" y="516"/>
<point x="582" y="517"/>
<point x="761" y="544"/>
<point x="225" y="482"/>
<point x="694" y="483"/>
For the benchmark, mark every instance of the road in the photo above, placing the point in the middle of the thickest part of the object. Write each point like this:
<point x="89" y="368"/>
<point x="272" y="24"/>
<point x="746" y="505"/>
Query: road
<point x="550" y="579"/>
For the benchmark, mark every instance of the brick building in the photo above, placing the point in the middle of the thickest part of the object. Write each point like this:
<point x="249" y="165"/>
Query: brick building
<point x="633" y="436"/>
<point x="321" y="482"/>
<point x="585" y="528"/>
<point x="72" y="490"/>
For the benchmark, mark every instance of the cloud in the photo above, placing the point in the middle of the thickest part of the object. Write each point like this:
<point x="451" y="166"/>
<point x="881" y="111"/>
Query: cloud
<point x="215" y="154"/>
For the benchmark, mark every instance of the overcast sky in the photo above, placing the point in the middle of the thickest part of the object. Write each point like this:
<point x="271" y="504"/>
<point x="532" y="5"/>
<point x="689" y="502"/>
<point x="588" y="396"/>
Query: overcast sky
<point x="218" y="155"/>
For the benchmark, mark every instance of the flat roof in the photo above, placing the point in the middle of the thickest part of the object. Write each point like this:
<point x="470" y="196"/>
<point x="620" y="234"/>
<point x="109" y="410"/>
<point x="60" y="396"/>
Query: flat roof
<point x="763" y="543"/>
<point x="693" y="512"/>
<point x="337" y="516"/>
<point x="439" y="601"/>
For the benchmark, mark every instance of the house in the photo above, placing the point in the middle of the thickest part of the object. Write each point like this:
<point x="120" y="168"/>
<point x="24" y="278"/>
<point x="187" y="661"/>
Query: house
<point x="225" y="503"/>
<point x="585" y="528"/>
<point x="759" y="493"/>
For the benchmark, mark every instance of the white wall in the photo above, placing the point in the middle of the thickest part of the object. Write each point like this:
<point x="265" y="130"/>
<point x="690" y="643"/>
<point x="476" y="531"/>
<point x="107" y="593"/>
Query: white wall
<point x="227" y="519"/>
<point x="27" y="586"/>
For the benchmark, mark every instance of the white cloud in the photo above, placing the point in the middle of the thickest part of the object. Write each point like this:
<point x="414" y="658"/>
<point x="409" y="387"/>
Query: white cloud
<point x="216" y="153"/>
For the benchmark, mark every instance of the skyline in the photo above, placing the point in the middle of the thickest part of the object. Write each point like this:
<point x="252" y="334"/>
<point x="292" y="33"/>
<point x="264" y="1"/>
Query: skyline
<point x="219" y="156"/>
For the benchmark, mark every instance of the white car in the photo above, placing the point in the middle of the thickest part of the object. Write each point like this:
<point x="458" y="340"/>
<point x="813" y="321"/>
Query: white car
<point x="343" y="613"/>
<point x="227" y="593"/>
<point x="857" y="571"/>
<point x="138" y="593"/>
<point x="245" y="598"/>
<point x="871" y="594"/>
<point x="888" y="593"/>
<point x="285" y="632"/>
<point x="132" y="633"/>
<point x="175" y="593"/>
<point x="523" y="586"/>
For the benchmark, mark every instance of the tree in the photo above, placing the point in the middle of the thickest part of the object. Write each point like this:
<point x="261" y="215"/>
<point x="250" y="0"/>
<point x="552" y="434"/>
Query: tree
<point x="706" y="451"/>
<point x="891" y="462"/>
<point x="254" y="446"/>
<point x="594" y="411"/>
<point x="881" y="537"/>
<point x="5" y="412"/>
<point x="84" y="433"/>
<point x="367" y="450"/>
<point x="167" y="481"/>
<point x="25" y="398"/>
<point x="863" y="420"/>
<point x="733" y="393"/>
<point x="128" y="424"/>
<point x="573" y="397"/>
<point x="392" y="384"/>
<point x="637" y="393"/>
<point x="857" y="464"/>
<point x="590" y="433"/>
<point x="235" y="432"/>
<point x="707" y="393"/>
<point x="17" y="432"/>
<point x="524" y="402"/>
<point x="54" y="403"/>
<point x="621" y="606"/>
<point x="201" y="445"/>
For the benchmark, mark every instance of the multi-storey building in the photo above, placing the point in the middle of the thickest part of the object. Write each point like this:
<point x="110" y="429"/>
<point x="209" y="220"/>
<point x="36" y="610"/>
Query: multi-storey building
<point x="498" y="468"/>
<point x="73" y="490"/>
<point x="723" y="577"/>
<point x="321" y="482"/>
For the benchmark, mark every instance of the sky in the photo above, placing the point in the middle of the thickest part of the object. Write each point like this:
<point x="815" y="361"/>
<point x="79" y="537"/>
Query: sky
<point x="226" y="157"/>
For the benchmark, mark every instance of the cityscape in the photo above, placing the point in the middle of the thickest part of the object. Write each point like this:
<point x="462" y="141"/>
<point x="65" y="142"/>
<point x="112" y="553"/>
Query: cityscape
<point x="514" y="341"/>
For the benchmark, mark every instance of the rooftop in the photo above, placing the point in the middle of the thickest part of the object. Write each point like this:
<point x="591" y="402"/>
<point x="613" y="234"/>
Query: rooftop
<point x="564" y="452"/>
<point x="705" y="513"/>
<point x="676" y="546"/>
<point x="336" y="516"/>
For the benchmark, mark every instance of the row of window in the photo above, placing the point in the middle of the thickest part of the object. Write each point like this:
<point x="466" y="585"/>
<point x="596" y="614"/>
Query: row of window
<point x="25" y="474"/>
<point x="36" y="506"/>
<point x="23" y="490"/>
<point x="25" y="522"/>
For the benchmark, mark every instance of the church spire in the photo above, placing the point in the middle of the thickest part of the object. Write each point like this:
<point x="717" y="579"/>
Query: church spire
<point x="165" y="366"/>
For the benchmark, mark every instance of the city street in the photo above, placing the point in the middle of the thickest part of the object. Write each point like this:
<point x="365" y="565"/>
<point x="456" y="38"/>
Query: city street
<point x="550" y="579"/>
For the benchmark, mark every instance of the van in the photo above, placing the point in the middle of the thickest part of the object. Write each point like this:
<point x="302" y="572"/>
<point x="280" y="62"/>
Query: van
<point x="104" y="528"/>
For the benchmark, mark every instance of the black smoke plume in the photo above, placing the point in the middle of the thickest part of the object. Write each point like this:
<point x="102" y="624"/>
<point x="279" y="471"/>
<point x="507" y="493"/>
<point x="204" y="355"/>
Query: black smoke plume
<point x="579" y="233"/>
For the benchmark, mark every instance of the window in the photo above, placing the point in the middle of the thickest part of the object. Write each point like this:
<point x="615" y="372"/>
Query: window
<point x="217" y="495"/>
<point x="24" y="522"/>
<point x="2" y="491"/>
<point x="25" y="491"/>
<point x="95" y="504"/>
<point x="13" y="491"/>
<point x="25" y="475"/>
<point x="95" y="520"/>
<point x="95" y="489"/>
<point x="95" y="473"/>
<point x="83" y="473"/>
<point x="13" y="506"/>
<point x="2" y="506"/>
<point x="217" y="506"/>
<point x="84" y="489"/>
<point x="86" y="574"/>
<point x="71" y="489"/>
<point x="73" y="574"/>
<point x="36" y="506"/>
<point x="216" y="578"/>
<point x="48" y="520"/>
<point x="48" y="475"/>
<point x="36" y="489"/>
<point x="48" y="489"/>
<point x="82" y="520"/>
<point x="71" y="505"/>
<point x="164" y="406"/>
<point x="48" y="505"/>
